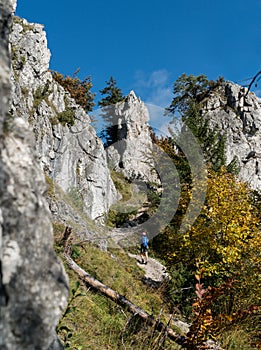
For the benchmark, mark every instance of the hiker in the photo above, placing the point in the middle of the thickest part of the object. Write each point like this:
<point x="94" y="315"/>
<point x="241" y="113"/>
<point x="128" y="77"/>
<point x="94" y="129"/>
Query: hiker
<point x="144" y="247"/>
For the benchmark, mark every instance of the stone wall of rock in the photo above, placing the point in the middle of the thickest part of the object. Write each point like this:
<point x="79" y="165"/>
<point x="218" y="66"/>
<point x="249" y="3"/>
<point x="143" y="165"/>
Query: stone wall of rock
<point x="33" y="283"/>
<point x="237" y="113"/>
<point x="72" y="155"/>
<point x="133" y="154"/>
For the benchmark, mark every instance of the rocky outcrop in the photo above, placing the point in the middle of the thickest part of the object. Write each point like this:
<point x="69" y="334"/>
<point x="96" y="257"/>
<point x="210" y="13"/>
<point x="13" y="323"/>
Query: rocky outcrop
<point x="237" y="113"/>
<point x="69" y="151"/>
<point x="5" y="22"/>
<point x="33" y="284"/>
<point x="133" y="154"/>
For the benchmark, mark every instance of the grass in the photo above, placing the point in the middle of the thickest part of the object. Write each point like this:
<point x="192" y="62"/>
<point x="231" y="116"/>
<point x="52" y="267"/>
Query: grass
<point x="91" y="321"/>
<point x="122" y="185"/>
<point x="133" y="199"/>
<point x="236" y="340"/>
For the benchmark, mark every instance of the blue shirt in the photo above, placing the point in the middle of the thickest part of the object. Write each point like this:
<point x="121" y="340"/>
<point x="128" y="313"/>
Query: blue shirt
<point x="145" y="241"/>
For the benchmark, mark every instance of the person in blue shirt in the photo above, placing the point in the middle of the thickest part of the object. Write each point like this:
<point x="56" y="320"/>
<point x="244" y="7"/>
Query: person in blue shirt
<point x="144" y="248"/>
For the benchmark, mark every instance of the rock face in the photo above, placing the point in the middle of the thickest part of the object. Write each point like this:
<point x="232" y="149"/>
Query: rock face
<point x="70" y="153"/>
<point x="133" y="154"/>
<point x="5" y="21"/>
<point x="237" y="113"/>
<point x="33" y="284"/>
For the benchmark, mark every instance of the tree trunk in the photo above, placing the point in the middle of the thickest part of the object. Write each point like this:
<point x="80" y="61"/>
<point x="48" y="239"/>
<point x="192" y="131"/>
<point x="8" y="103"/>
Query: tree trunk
<point x="121" y="300"/>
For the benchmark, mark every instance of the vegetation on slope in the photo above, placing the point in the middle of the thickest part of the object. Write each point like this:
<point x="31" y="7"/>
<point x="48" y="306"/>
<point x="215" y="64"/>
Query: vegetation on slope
<point x="220" y="252"/>
<point x="79" y="89"/>
<point x="215" y="269"/>
<point x="92" y="321"/>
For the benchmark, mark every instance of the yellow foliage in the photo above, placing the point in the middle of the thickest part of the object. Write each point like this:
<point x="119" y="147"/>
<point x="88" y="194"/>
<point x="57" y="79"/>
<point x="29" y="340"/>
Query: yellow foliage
<point x="227" y="231"/>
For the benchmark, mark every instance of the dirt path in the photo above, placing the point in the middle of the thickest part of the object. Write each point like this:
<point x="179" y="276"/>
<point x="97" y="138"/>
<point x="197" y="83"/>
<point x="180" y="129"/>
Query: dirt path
<point x="155" y="272"/>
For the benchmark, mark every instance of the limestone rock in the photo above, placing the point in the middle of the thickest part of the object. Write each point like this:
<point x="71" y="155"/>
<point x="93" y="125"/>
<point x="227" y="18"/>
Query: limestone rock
<point x="5" y="22"/>
<point x="71" y="154"/>
<point x="237" y="113"/>
<point x="133" y="154"/>
<point x="33" y="283"/>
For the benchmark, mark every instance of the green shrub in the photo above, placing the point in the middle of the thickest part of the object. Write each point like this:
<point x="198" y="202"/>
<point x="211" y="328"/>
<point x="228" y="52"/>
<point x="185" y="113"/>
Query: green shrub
<point x="117" y="218"/>
<point x="66" y="117"/>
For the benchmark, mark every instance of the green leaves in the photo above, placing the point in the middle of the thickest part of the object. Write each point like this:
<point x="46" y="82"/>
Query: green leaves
<point x="189" y="94"/>
<point x="188" y="90"/>
<point x="114" y="94"/>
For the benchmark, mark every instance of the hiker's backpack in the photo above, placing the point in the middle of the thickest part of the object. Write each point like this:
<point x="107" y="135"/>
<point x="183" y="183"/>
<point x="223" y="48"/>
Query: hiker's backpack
<point x="145" y="241"/>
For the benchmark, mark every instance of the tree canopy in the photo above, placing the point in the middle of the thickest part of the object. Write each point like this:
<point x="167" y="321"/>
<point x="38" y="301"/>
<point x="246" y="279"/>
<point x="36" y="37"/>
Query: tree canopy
<point x="112" y="92"/>
<point x="189" y="93"/>
<point x="112" y="95"/>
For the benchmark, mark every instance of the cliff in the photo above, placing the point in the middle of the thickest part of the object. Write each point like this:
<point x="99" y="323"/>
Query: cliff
<point x="68" y="150"/>
<point x="133" y="153"/>
<point x="33" y="284"/>
<point x="237" y="114"/>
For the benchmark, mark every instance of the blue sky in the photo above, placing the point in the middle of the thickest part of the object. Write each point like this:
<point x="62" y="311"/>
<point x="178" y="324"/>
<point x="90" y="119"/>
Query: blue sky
<point x="147" y="45"/>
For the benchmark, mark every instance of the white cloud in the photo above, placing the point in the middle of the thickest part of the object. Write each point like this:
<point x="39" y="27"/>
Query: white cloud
<point x="155" y="87"/>
<point x="158" y="120"/>
<point x="155" y="90"/>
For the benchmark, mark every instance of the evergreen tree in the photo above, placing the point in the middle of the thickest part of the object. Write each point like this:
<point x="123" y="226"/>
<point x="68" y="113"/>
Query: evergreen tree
<point x="189" y="93"/>
<point x="112" y="95"/>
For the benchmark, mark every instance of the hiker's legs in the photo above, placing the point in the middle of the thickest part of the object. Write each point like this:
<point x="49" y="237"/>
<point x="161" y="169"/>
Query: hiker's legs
<point x="142" y="254"/>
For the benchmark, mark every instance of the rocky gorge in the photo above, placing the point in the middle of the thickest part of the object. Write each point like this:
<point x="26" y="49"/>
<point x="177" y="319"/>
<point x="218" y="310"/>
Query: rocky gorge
<point x="37" y="149"/>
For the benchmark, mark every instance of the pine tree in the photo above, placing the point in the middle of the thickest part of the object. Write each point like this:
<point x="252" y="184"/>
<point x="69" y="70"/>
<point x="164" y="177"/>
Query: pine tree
<point x="113" y="95"/>
<point x="189" y="92"/>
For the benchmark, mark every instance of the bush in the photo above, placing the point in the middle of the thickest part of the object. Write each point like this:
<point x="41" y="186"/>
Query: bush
<point x="66" y="117"/>
<point x="78" y="89"/>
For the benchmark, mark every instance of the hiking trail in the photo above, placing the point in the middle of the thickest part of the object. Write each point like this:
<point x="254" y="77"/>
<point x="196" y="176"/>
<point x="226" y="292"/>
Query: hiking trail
<point x="155" y="272"/>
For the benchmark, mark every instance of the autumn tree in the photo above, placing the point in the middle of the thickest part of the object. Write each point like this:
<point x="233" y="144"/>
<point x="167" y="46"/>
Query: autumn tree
<point x="223" y="248"/>
<point x="79" y="89"/>
<point x="224" y="245"/>
<point x="220" y="239"/>
<point x="112" y="95"/>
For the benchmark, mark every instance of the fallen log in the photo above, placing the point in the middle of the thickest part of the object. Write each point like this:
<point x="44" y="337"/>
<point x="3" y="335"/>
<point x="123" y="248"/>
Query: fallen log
<point x="122" y="301"/>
